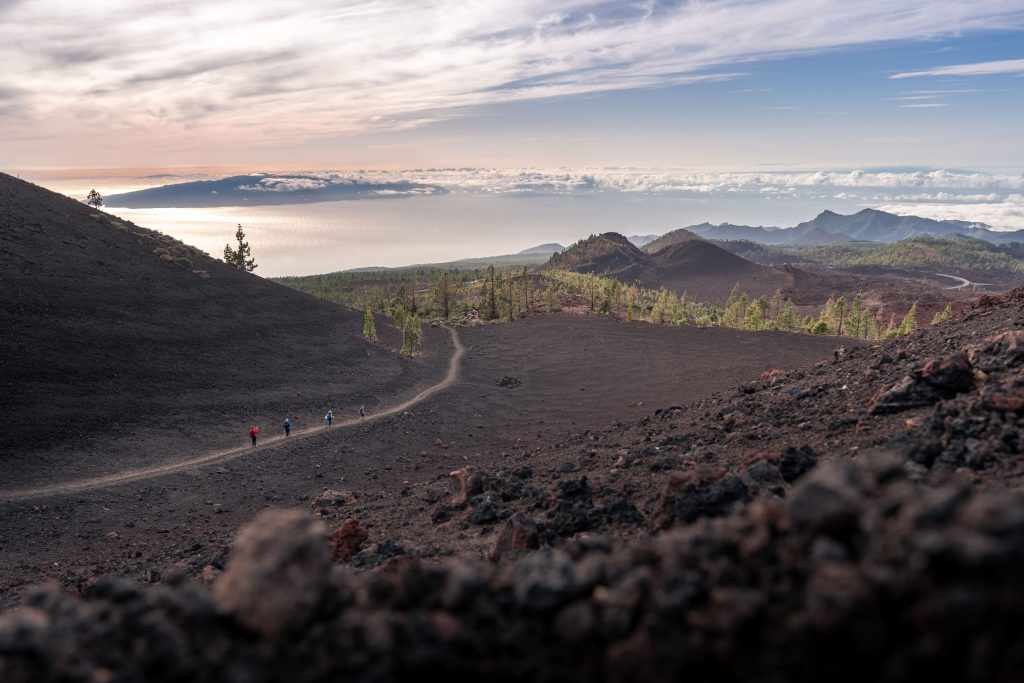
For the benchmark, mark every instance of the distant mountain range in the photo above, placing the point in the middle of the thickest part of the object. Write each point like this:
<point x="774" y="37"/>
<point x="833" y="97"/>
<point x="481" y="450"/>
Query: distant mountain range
<point x="262" y="190"/>
<point x="542" y="250"/>
<point x="869" y="225"/>
<point x="642" y="240"/>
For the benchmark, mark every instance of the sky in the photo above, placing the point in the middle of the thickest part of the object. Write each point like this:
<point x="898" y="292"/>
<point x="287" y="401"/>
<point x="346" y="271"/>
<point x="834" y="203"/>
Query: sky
<point x="783" y="88"/>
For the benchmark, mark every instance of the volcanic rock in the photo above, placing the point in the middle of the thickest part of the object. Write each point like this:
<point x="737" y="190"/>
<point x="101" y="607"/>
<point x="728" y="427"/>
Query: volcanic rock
<point x="518" y="533"/>
<point x="276" y="574"/>
<point x="347" y="539"/>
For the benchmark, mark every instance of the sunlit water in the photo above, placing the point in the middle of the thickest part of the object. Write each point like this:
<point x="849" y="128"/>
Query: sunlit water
<point x="299" y="239"/>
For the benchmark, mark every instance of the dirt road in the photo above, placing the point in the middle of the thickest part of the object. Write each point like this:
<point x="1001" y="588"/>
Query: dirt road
<point x="232" y="453"/>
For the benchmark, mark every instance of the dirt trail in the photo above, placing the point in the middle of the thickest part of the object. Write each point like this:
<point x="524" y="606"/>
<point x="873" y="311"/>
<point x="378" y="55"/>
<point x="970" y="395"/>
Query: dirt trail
<point x="232" y="453"/>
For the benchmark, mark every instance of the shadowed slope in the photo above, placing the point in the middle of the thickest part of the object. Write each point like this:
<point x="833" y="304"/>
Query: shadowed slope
<point x="109" y="327"/>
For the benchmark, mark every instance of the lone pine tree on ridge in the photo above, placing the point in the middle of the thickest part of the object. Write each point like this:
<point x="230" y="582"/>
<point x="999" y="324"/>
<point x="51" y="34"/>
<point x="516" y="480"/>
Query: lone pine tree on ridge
<point x="241" y="257"/>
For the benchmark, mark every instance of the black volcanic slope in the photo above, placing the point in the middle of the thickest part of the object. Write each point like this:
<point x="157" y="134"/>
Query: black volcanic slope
<point x="108" y="327"/>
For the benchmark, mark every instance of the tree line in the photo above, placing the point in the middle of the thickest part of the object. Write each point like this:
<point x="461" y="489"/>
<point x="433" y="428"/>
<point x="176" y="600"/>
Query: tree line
<point x="494" y="294"/>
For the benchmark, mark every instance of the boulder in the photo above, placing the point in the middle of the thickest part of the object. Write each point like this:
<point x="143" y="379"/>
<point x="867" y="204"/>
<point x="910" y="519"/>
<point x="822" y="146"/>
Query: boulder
<point x="347" y="539"/>
<point x="518" y="533"/>
<point x="277" y="572"/>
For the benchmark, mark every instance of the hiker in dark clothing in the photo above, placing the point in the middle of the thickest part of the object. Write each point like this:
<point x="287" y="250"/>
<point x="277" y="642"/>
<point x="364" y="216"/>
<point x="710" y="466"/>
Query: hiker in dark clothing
<point x="329" y="416"/>
<point x="252" y="434"/>
<point x="362" y="412"/>
<point x="287" y="427"/>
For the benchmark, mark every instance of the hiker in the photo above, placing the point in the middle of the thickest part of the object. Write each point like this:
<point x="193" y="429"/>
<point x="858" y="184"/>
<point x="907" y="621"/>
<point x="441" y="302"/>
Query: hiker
<point x="329" y="416"/>
<point x="287" y="427"/>
<point x="362" y="412"/>
<point x="252" y="434"/>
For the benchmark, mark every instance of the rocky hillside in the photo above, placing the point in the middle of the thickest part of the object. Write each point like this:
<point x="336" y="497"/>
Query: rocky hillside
<point x="109" y="327"/>
<point x="861" y="519"/>
<point x="608" y="255"/>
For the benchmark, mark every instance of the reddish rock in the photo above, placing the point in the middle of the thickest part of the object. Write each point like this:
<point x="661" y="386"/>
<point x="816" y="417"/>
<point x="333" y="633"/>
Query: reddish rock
<point x="949" y="376"/>
<point x="347" y="539"/>
<point x="277" y="573"/>
<point x="1002" y="351"/>
<point x="937" y="379"/>
<point x="1008" y="401"/>
<point x="518" y="533"/>
<point x="468" y="482"/>
<point x="701" y="492"/>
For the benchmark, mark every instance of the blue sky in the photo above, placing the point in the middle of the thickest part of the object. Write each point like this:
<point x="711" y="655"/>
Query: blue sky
<point x="709" y="85"/>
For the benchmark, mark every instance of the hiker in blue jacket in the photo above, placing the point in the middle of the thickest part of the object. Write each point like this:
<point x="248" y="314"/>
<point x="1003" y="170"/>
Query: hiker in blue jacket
<point x="287" y="427"/>
<point x="329" y="416"/>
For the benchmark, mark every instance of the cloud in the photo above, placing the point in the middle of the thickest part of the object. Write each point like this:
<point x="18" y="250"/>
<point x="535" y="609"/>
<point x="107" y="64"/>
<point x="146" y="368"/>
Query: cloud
<point x="924" y="105"/>
<point x="1003" y="66"/>
<point x="1001" y="215"/>
<point x="228" y="71"/>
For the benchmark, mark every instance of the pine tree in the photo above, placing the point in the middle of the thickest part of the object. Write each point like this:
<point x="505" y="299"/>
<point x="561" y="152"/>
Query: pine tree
<point x="840" y="312"/>
<point x="943" y="315"/>
<point x="606" y="301"/>
<point x="491" y="305"/>
<point x="776" y="305"/>
<point x="510" y="297"/>
<point x="241" y="257"/>
<point x="411" y="339"/>
<point x="857" y="321"/>
<point x="498" y="295"/>
<point x="527" y="286"/>
<point x="787" y="319"/>
<point x="442" y="295"/>
<point x="909" y="323"/>
<point x="369" y="327"/>
<point x="552" y="298"/>
<point x="94" y="198"/>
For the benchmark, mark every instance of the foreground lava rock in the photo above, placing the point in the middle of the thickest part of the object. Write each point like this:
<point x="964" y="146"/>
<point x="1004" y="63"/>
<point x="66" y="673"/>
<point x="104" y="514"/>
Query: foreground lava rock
<point x="866" y="571"/>
<point x="277" y="573"/>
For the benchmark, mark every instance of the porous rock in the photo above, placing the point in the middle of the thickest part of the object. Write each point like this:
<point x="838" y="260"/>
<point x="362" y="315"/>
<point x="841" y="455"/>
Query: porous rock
<point x="277" y="570"/>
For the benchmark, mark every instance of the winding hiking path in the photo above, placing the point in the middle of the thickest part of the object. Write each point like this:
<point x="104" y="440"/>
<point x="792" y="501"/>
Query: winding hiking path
<point x="964" y="282"/>
<point x="216" y="457"/>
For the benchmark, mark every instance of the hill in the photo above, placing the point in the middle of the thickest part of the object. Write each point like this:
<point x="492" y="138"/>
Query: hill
<point x="642" y="240"/>
<point x="925" y="252"/>
<point x="687" y="264"/>
<point x="121" y="338"/>
<point x="669" y="238"/>
<point x="708" y="272"/>
<point x="541" y="250"/>
<point x="608" y="255"/>
<point x="869" y="225"/>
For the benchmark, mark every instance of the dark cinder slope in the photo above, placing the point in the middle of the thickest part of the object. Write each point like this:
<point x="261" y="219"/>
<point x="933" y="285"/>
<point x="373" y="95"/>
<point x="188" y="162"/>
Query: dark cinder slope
<point x="108" y="328"/>
<point x="709" y="272"/>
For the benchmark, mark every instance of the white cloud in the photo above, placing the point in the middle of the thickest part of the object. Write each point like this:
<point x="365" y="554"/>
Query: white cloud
<point x="924" y="105"/>
<point x="120" y="72"/>
<point x="1001" y="215"/>
<point x="1003" y="66"/>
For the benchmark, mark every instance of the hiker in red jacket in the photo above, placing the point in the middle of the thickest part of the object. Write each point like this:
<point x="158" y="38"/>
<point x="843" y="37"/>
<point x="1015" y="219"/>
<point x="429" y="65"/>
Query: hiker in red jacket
<point x="252" y="434"/>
